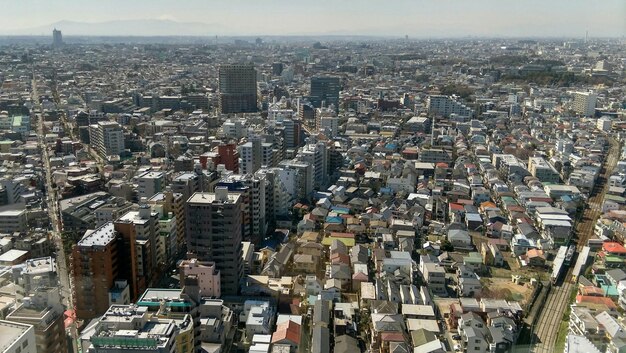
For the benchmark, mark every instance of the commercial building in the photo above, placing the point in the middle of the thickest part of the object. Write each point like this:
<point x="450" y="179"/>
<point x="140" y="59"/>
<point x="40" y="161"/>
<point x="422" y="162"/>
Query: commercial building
<point x="237" y="89"/>
<point x="44" y="311"/>
<point x="131" y="328"/>
<point x="17" y="338"/>
<point x="13" y="220"/>
<point x="214" y="234"/>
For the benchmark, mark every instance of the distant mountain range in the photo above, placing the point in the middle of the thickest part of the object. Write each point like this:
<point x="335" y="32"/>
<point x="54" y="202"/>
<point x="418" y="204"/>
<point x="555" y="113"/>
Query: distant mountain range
<point x="147" y="27"/>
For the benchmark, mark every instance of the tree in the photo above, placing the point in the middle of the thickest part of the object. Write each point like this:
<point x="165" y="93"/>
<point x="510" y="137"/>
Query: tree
<point x="446" y="245"/>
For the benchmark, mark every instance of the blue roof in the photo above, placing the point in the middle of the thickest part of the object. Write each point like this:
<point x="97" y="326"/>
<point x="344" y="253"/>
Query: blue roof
<point x="269" y="243"/>
<point x="473" y="217"/>
<point x="340" y="209"/>
<point x="385" y="191"/>
<point x="337" y="220"/>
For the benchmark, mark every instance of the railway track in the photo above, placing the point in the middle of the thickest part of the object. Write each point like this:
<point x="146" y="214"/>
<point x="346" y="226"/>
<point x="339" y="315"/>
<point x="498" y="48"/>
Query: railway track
<point x="546" y="330"/>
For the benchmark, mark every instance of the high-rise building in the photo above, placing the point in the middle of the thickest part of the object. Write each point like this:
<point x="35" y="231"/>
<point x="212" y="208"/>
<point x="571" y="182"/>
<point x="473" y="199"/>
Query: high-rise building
<point x="237" y="88"/>
<point x="214" y="234"/>
<point x="171" y="204"/>
<point x="139" y="244"/>
<point x="325" y="91"/>
<point x="57" y="38"/>
<point x="277" y="69"/>
<point x="107" y="138"/>
<point x="316" y="155"/>
<point x="252" y="190"/>
<point x="43" y="310"/>
<point x="94" y="268"/>
<point x="297" y="177"/>
<point x="585" y="103"/>
<point x="254" y="154"/>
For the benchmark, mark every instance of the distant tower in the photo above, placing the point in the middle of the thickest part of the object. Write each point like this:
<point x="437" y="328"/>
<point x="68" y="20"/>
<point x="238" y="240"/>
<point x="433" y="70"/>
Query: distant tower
<point x="57" y="38"/>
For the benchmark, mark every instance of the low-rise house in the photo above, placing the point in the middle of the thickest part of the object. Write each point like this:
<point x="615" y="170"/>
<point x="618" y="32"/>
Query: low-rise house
<point x="460" y="239"/>
<point x="469" y="287"/>
<point x="491" y="255"/>
<point x="425" y="341"/>
<point x="534" y="258"/>
<point x="304" y="263"/>
<point x="435" y="277"/>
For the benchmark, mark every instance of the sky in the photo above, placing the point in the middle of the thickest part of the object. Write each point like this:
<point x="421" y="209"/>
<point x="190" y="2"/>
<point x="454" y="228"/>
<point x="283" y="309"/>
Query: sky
<point x="416" y="18"/>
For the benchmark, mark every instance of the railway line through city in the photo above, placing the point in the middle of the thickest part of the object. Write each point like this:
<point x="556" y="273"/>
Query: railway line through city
<point x="546" y="330"/>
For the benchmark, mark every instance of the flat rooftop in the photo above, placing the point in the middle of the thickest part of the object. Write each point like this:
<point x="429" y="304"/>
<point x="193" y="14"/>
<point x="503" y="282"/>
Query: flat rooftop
<point x="207" y="197"/>
<point x="99" y="237"/>
<point x="10" y="332"/>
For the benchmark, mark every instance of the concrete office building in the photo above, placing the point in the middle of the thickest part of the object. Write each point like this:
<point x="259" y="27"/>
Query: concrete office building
<point x="237" y="88"/>
<point x="107" y="138"/>
<point x="584" y="103"/>
<point x="17" y="338"/>
<point x="13" y="220"/>
<point x="44" y="311"/>
<point x="214" y="234"/>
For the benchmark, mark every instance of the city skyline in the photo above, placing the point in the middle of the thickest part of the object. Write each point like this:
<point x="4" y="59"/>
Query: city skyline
<point x="238" y="18"/>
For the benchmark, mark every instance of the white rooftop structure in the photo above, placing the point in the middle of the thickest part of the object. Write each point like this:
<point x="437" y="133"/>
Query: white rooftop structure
<point x="99" y="237"/>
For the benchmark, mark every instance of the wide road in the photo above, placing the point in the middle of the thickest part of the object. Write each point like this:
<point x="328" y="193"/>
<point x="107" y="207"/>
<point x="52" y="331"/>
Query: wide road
<point x="53" y="214"/>
<point x="547" y="327"/>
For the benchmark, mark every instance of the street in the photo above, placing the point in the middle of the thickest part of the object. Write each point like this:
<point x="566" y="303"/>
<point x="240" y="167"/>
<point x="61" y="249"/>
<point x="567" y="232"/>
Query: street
<point x="53" y="214"/>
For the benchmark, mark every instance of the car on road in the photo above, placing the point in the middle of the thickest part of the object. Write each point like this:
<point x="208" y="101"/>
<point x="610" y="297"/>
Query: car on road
<point x="457" y="348"/>
<point x="456" y="337"/>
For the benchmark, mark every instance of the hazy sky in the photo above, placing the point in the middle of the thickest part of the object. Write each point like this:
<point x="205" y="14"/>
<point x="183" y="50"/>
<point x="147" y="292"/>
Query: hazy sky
<point x="417" y="18"/>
